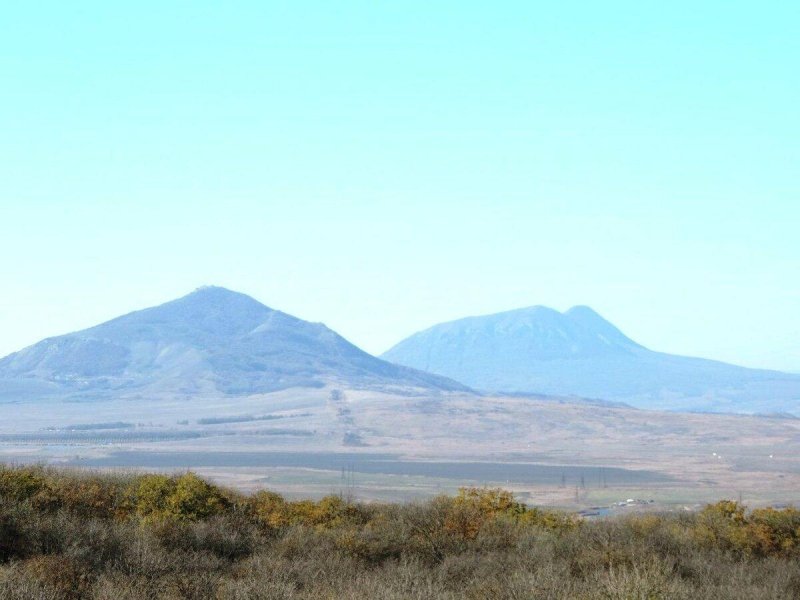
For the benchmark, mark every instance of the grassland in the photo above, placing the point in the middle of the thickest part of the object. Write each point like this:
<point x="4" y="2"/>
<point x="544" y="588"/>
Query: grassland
<point x="69" y="535"/>
<point x="298" y="442"/>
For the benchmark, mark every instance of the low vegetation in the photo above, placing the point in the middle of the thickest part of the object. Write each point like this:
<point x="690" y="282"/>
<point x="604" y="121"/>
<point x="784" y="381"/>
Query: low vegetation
<point x="66" y="535"/>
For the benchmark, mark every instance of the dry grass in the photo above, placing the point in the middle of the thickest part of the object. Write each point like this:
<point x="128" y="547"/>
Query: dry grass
<point x="67" y="536"/>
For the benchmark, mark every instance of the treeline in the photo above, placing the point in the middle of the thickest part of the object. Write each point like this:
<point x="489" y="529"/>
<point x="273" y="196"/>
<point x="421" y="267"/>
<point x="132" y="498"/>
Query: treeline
<point x="69" y="535"/>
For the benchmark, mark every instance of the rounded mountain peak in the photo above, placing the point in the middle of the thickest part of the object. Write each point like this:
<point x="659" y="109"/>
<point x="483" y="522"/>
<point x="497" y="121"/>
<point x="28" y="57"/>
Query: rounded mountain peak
<point x="214" y="293"/>
<point x="586" y="316"/>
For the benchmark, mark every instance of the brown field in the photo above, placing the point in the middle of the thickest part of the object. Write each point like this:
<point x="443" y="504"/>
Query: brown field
<point x="384" y="446"/>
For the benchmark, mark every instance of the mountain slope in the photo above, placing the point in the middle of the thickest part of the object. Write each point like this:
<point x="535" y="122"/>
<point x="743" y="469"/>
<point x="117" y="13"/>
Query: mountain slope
<point x="579" y="353"/>
<point x="212" y="341"/>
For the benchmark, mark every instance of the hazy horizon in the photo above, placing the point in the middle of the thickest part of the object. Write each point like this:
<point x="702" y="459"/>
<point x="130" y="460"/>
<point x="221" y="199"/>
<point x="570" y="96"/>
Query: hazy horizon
<point x="378" y="354"/>
<point x="382" y="169"/>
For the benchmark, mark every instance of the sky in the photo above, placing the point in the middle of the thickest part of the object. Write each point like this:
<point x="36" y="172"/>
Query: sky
<point x="381" y="167"/>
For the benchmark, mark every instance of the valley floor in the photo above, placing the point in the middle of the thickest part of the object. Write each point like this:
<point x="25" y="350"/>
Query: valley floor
<point x="392" y="446"/>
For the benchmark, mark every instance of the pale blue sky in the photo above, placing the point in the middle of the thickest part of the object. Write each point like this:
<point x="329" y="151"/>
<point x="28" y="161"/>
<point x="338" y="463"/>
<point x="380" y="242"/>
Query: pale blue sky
<point x="383" y="167"/>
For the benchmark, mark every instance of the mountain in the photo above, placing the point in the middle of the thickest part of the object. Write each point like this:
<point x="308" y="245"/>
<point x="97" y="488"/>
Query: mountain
<point x="211" y="341"/>
<point x="578" y="352"/>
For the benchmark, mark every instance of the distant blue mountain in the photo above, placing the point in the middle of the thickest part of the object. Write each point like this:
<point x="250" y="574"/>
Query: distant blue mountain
<point x="540" y="350"/>
<point x="211" y="341"/>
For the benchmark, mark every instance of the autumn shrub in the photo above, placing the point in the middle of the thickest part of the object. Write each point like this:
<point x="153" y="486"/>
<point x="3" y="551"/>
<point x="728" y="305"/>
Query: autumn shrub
<point x="93" y="497"/>
<point x="776" y="532"/>
<point x="269" y="510"/>
<point x="74" y="535"/>
<point x="67" y="576"/>
<point x="381" y="539"/>
<point x="484" y="504"/>
<point x="227" y="536"/>
<point x="763" y="532"/>
<point x="16" y="584"/>
<point x="22" y="483"/>
<point x="194" y="499"/>
<point x="183" y="498"/>
<point x="148" y="495"/>
<point x="272" y="511"/>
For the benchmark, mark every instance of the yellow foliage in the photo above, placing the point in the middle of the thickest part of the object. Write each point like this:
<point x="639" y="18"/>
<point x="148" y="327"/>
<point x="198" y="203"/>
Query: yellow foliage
<point x="86" y="496"/>
<point x="645" y="524"/>
<point x="273" y="511"/>
<point x="441" y="523"/>
<point x="549" y="519"/>
<point x="187" y="498"/>
<point x="21" y="483"/>
<point x="490" y="501"/>
<point x="472" y="508"/>
<point x="194" y="499"/>
<point x="269" y="509"/>
<point x="725" y="509"/>
<point x="776" y="531"/>
<point x="765" y="531"/>
<point x="149" y="496"/>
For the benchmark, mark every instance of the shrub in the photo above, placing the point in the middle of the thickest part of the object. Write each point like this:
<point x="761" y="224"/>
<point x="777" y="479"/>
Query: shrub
<point x="67" y="535"/>
<point x="763" y="532"/>
<point x="11" y="538"/>
<point x="189" y="498"/>
<point x="272" y="511"/>
<point x="194" y="499"/>
<point x="65" y="576"/>
<point x="269" y="510"/>
<point x="474" y="507"/>
<point x="775" y="531"/>
<point x="88" y="497"/>
<point x="22" y="483"/>
<point x="149" y="496"/>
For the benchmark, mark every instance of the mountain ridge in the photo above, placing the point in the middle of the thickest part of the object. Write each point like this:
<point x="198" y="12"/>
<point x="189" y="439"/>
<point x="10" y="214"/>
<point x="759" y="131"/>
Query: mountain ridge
<point x="579" y="353"/>
<point x="212" y="339"/>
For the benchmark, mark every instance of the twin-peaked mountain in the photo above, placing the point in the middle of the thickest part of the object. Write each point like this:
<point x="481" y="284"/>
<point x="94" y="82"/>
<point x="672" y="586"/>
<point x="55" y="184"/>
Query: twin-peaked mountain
<point x="578" y="353"/>
<point x="218" y="342"/>
<point x="210" y="342"/>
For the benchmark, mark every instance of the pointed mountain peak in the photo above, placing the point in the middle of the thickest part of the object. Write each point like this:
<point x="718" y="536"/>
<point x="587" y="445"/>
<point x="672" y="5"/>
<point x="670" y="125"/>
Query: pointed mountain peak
<point x="209" y="310"/>
<point x="213" y="290"/>
<point x="218" y="300"/>
<point x="212" y="340"/>
<point x="213" y="294"/>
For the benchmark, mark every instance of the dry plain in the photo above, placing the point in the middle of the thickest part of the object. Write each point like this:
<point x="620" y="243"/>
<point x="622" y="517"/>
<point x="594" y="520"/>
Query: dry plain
<point x="400" y="445"/>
